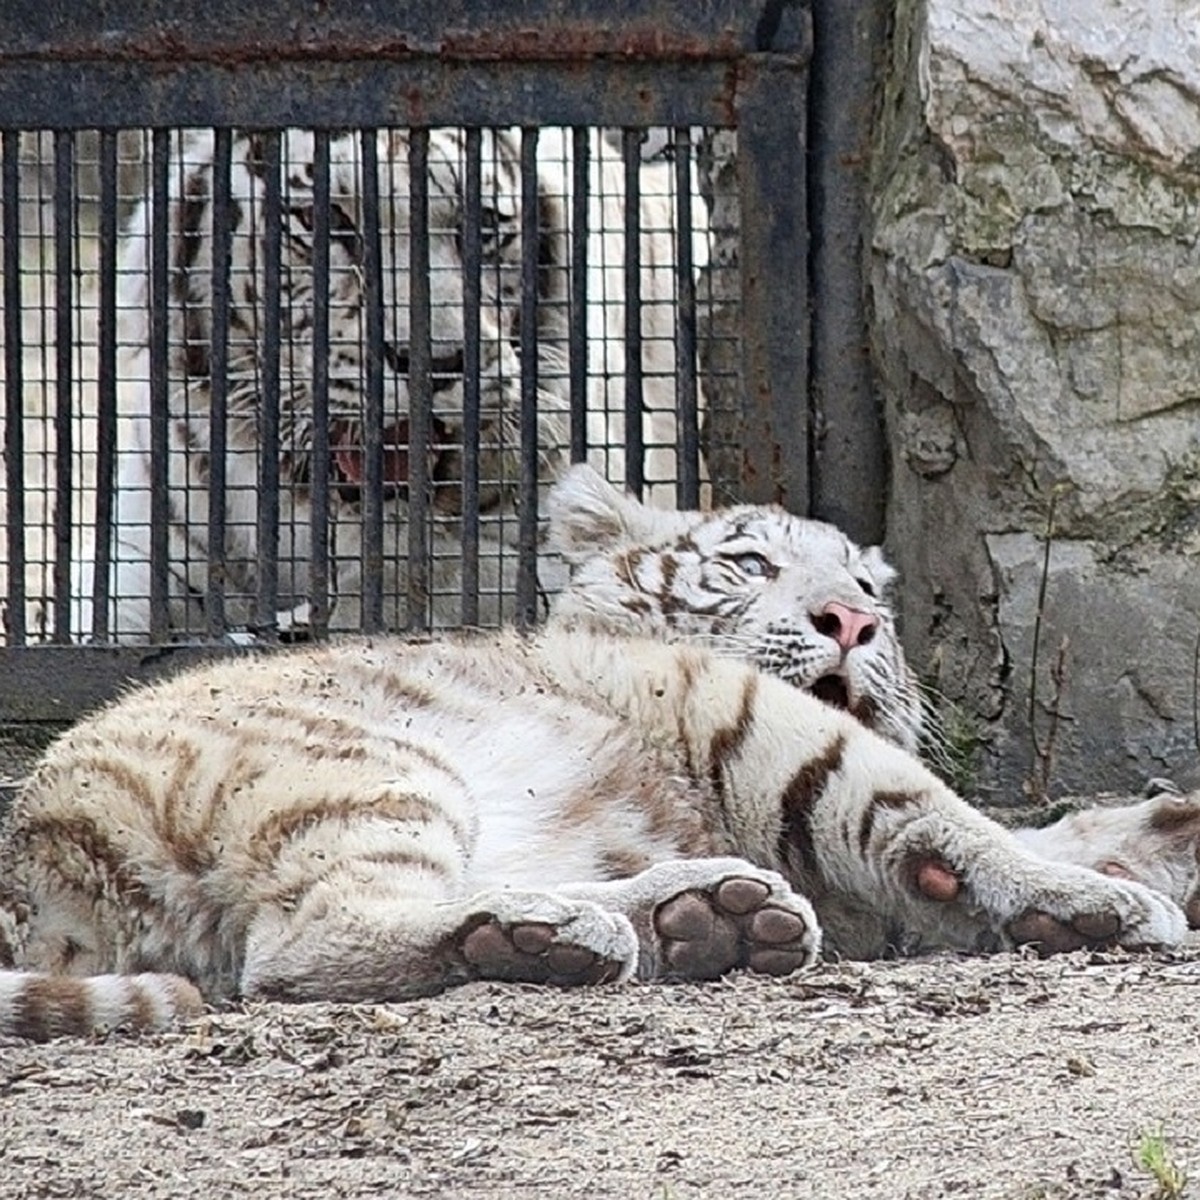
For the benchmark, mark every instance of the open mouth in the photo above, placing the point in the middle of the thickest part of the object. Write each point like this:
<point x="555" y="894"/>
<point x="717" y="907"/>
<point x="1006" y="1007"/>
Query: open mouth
<point x="445" y="456"/>
<point x="832" y="690"/>
<point x="348" y="456"/>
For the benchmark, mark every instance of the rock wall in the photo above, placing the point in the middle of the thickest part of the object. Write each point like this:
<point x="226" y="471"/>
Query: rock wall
<point x="1034" y="274"/>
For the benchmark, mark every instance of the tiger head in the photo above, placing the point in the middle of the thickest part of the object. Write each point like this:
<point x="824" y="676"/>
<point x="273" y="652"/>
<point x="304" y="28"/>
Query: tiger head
<point x="370" y="269"/>
<point x="794" y="596"/>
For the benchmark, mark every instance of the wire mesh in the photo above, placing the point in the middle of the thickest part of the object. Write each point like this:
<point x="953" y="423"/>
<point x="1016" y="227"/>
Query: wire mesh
<point x="277" y="384"/>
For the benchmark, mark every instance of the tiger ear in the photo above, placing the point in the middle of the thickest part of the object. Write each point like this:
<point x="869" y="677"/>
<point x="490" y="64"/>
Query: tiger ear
<point x="882" y="572"/>
<point x="588" y="516"/>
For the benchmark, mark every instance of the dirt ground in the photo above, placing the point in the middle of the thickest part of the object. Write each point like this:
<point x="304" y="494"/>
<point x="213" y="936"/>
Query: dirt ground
<point x="996" y="1078"/>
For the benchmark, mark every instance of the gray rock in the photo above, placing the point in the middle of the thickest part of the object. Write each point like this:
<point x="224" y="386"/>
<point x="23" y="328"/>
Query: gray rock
<point x="1035" y="277"/>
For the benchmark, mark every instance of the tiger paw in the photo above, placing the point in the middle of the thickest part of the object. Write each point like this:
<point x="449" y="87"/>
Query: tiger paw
<point x="700" y="918"/>
<point x="542" y="939"/>
<point x="734" y="923"/>
<point x="1097" y="912"/>
<point x="1155" y="842"/>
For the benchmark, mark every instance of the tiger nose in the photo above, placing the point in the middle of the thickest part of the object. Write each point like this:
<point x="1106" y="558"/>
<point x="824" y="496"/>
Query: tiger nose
<point x="849" y="627"/>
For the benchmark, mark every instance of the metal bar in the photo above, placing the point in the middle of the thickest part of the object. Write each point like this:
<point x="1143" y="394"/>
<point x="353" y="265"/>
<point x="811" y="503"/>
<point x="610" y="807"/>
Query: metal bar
<point x="318" y="566"/>
<point x="544" y="30"/>
<point x="849" y="459"/>
<point x="540" y="30"/>
<point x="266" y="617"/>
<point x="372" y="491"/>
<point x="64" y="222"/>
<point x="577" y="336"/>
<point x="420" y="381"/>
<point x="106" y="402"/>
<point x="773" y="261"/>
<point x="527" y="493"/>
<point x="222" y="259"/>
<point x="472" y="300"/>
<point x="160" y="215"/>
<point x="338" y="95"/>
<point x="14" y="415"/>
<point x="635" y="449"/>
<point x="687" y="490"/>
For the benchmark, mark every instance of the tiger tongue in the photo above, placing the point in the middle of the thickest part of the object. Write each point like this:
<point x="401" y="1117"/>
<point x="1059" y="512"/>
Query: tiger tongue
<point x="349" y="459"/>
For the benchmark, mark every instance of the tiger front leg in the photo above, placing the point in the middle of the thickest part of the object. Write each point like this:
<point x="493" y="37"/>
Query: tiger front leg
<point x="339" y="946"/>
<point x="963" y="880"/>
<point x="701" y="918"/>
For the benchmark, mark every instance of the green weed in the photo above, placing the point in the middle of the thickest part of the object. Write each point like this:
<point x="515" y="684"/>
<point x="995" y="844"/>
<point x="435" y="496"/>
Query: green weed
<point x="1154" y="1157"/>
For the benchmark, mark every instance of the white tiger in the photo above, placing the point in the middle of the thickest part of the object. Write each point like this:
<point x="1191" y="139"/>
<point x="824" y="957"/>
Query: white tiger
<point x="190" y="353"/>
<point x="621" y="793"/>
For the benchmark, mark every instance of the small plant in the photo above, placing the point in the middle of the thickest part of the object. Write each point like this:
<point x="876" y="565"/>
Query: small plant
<point x="952" y="741"/>
<point x="1153" y="1156"/>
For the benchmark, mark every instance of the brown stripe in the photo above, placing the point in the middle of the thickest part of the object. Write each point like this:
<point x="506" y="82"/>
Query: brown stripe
<point x="398" y="858"/>
<point x="339" y="737"/>
<point x="50" y="1006"/>
<point x="623" y="863"/>
<point x="626" y="567"/>
<point x="727" y="743"/>
<point x="281" y="827"/>
<point x="104" y="859"/>
<point x="796" y="804"/>
<point x="190" y="234"/>
<point x="1174" y="815"/>
<point x="395" y="687"/>
<point x="892" y="800"/>
<point x="344" y="234"/>
<point x="668" y="566"/>
<point x="16" y="915"/>
<point x="430" y="758"/>
<point x="317" y="725"/>
<point x="184" y="757"/>
<point x="132" y="781"/>
<point x="332" y="876"/>
<point x="866" y="711"/>
<point x="139" y="1010"/>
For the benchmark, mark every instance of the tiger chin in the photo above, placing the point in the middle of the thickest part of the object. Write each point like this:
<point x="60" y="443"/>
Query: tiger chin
<point x="643" y="788"/>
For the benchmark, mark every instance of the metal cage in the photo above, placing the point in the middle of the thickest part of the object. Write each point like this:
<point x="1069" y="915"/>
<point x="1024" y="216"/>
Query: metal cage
<point x="301" y="314"/>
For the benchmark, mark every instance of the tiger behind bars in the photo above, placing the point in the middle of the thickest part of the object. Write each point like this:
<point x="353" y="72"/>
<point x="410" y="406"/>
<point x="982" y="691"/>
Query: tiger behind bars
<point x="190" y="309"/>
<point x="643" y="788"/>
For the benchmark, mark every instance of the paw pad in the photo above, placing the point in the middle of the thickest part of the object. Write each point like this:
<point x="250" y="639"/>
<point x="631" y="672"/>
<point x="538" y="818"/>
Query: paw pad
<point x="936" y="881"/>
<point x="1049" y="935"/>
<point x="735" y="923"/>
<point x="742" y="896"/>
<point x="533" y="952"/>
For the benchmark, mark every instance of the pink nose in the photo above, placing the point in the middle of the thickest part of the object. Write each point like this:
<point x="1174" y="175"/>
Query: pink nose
<point x="849" y="627"/>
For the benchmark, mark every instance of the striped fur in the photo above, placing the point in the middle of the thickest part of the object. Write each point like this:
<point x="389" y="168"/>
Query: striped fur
<point x="382" y="819"/>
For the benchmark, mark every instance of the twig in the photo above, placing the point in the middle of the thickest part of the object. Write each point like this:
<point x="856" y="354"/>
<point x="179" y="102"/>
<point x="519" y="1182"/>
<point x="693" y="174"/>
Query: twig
<point x="1043" y="583"/>
<point x="1196" y="694"/>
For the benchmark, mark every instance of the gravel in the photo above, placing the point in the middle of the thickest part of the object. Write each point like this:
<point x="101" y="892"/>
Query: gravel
<point x="1001" y="1077"/>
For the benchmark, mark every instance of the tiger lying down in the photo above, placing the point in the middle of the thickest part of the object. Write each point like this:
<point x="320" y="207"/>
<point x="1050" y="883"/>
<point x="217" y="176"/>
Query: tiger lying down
<point x="641" y="789"/>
